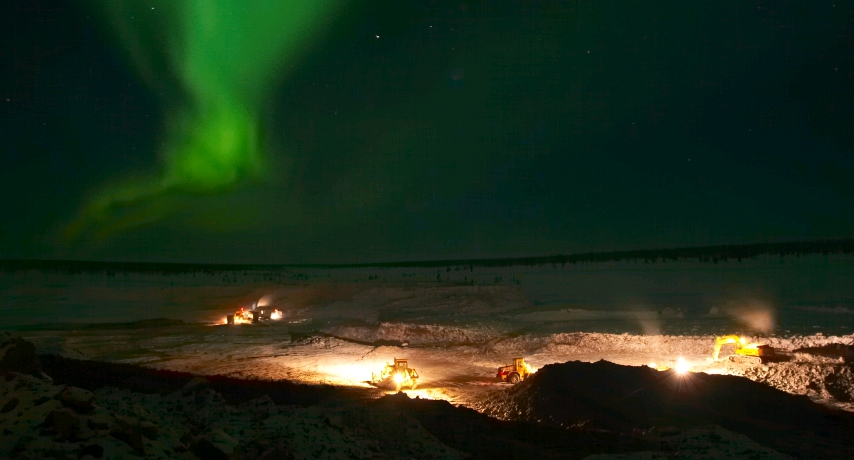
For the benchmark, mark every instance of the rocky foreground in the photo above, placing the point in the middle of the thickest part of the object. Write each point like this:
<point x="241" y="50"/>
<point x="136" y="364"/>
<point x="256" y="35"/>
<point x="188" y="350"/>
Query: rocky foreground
<point x="54" y="407"/>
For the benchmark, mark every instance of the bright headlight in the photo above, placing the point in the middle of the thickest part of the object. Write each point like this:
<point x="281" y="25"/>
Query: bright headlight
<point x="681" y="366"/>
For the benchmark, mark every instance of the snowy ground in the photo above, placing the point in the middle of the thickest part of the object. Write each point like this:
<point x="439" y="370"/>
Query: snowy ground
<point x="455" y="364"/>
<point x="455" y="325"/>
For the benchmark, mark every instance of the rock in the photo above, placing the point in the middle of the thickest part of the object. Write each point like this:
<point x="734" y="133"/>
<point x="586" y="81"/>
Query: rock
<point x="335" y="420"/>
<point x="99" y="421"/>
<point x="93" y="450"/>
<point x="277" y="452"/>
<point x="24" y="407"/>
<point x="29" y="382"/>
<point x="65" y="422"/>
<point x="149" y="430"/>
<point x="78" y="399"/>
<point x="114" y="448"/>
<point x="669" y="431"/>
<point x="127" y="429"/>
<point x="194" y="385"/>
<point x="10" y="405"/>
<point x="17" y="355"/>
<point x="215" y="445"/>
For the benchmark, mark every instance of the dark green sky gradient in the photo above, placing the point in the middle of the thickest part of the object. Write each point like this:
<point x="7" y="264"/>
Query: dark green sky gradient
<point x="492" y="133"/>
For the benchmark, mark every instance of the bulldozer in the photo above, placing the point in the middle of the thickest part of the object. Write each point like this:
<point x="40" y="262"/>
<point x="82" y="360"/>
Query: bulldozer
<point x="516" y="372"/>
<point x="398" y="375"/>
<point x="745" y="353"/>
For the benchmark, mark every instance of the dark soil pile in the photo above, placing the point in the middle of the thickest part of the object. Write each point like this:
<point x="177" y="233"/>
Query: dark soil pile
<point x="484" y="437"/>
<point x="625" y="399"/>
<point x="831" y="350"/>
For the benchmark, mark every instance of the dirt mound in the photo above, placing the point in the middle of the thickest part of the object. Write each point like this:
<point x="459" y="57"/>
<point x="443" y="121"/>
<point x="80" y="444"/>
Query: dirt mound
<point x="833" y="385"/>
<point x="607" y="396"/>
<point x="840" y="385"/>
<point x="831" y="350"/>
<point x="484" y="437"/>
<point x="252" y="416"/>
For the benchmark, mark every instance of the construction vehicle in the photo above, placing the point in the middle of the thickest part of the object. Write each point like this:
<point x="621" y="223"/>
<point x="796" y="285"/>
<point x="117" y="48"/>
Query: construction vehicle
<point x="745" y="353"/>
<point x="516" y="372"/>
<point x="255" y="315"/>
<point x="398" y="375"/>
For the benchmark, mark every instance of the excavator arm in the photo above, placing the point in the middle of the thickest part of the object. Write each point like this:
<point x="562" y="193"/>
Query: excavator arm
<point x="721" y="341"/>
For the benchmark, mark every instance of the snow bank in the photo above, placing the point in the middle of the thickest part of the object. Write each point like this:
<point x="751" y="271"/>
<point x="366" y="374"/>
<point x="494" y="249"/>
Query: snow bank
<point x="581" y="343"/>
<point x="605" y="345"/>
<point x="327" y="431"/>
<point x="42" y="419"/>
<point x="576" y="314"/>
<point x="414" y="334"/>
<point x="807" y="341"/>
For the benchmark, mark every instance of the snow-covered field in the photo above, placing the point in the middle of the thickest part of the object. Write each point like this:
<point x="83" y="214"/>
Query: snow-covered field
<point x="775" y="296"/>
<point x="456" y="325"/>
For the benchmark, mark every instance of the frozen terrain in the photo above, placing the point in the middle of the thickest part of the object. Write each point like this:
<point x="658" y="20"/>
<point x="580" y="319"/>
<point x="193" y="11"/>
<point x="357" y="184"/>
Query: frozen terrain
<point x="457" y="324"/>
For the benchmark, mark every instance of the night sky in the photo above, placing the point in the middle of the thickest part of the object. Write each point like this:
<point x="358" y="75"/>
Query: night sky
<point x="418" y="129"/>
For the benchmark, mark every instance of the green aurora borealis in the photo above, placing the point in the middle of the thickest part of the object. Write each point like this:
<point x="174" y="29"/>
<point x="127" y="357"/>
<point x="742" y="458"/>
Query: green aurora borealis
<point x="351" y="131"/>
<point x="225" y="57"/>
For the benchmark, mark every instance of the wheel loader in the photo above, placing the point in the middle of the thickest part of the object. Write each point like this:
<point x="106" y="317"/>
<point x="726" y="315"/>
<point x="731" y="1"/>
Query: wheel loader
<point x="745" y="353"/>
<point x="516" y="372"/>
<point x="255" y="315"/>
<point x="398" y="375"/>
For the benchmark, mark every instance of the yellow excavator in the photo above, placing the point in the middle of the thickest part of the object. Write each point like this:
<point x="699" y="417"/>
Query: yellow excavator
<point x="745" y="353"/>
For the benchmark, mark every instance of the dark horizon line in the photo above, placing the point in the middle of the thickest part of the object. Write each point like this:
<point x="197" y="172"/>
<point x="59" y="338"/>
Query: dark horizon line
<point x="711" y="254"/>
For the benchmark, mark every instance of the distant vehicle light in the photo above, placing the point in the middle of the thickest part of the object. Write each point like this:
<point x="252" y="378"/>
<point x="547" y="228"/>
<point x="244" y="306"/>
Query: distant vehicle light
<point x="682" y="367"/>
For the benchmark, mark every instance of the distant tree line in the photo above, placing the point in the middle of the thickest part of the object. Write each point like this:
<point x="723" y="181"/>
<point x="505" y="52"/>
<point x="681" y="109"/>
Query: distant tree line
<point x="711" y="254"/>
